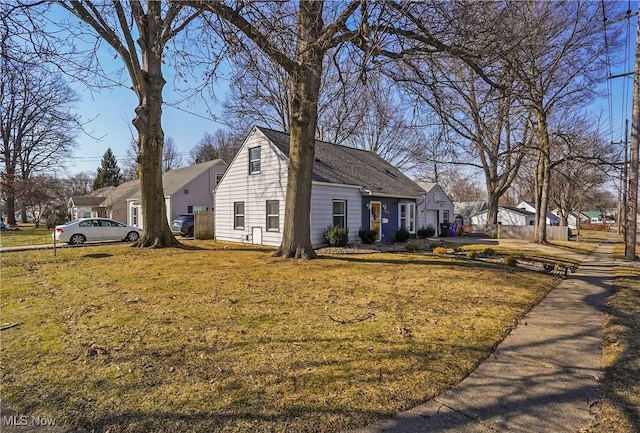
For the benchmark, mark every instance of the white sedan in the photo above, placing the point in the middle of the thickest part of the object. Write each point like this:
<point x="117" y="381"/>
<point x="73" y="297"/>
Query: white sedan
<point x="95" y="229"/>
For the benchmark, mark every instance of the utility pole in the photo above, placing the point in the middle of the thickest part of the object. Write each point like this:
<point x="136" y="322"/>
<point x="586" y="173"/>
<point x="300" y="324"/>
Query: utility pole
<point x="621" y="216"/>
<point x="632" y="205"/>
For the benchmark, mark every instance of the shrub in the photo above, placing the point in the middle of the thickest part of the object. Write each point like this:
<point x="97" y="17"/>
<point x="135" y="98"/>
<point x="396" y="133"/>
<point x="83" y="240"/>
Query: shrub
<point x="402" y="235"/>
<point x="367" y="236"/>
<point x="439" y="251"/>
<point x="510" y="261"/>
<point x="472" y="254"/>
<point x="489" y="252"/>
<point x="337" y="236"/>
<point x="412" y="247"/>
<point x="427" y="232"/>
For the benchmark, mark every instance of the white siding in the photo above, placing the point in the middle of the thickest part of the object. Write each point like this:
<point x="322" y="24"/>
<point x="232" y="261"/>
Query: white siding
<point x="254" y="190"/>
<point x="430" y="209"/>
<point x="322" y="196"/>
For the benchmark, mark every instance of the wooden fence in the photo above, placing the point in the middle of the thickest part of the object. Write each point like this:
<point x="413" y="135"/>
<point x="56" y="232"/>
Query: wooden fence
<point x="203" y="224"/>
<point x="501" y="231"/>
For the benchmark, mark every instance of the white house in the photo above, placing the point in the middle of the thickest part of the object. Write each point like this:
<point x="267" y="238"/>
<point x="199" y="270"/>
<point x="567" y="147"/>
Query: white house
<point x="90" y="205"/>
<point x="186" y="190"/>
<point x="435" y="207"/>
<point x="512" y="216"/>
<point x="351" y="188"/>
<point x="552" y="219"/>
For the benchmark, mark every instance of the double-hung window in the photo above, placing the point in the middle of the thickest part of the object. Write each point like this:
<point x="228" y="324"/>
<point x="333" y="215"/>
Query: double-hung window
<point x="238" y="215"/>
<point x="408" y="216"/>
<point x="254" y="160"/>
<point x="273" y="215"/>
<point x="340" y="213"/>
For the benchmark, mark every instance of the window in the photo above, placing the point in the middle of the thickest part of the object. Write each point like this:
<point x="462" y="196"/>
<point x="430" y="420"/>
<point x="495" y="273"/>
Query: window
<point x="185" y="191"/>
<point x="340" y="213"/>
<point x="219" y="177"/>
<point x="134" y="216"/>
<point x="408" y="216"/>
<point x="273" y="215"/>
<point x="238" y="215"/>
<point x="189" y="209"/>
<point x="445" y="216"/>
<point x="254" y="160"/>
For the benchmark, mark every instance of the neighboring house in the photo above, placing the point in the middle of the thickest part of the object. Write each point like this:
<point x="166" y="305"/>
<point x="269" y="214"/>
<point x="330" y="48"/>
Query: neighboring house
<point x="595" y="217"/>
<point x="467" y="209"/>
<point x="572" y="218"/>
<point x="351" y="188"/>
<point x="435" y="208"/>
<point x="186" y="190"/>
<point x="90" y="205"/>
<point x="552" y="219"/>
<point x="115" y="202"/>
<point x="507" y="215"/>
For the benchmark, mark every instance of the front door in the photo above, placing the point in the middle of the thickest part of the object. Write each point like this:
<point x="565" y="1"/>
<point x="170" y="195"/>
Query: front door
<point x="375" y="223"/>
<point x="256" y="235"/>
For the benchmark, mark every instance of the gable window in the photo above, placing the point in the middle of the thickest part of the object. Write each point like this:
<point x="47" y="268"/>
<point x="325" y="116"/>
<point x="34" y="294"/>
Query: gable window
<point x="407" y="217"/>
<point x="340" y="213"/>
<point x="238" y="215"/>
<point x="273" y="215"/>
<point x="219" y="177"/>
<point x="254" y="160"/>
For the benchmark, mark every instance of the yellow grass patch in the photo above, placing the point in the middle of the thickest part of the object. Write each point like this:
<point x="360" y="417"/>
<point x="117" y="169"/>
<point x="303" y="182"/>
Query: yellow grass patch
<point x="207" y="338"/>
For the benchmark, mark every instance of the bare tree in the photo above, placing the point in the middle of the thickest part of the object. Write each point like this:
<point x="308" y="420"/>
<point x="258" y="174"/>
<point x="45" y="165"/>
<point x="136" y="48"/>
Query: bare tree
<point x="556" y="51"/>
<point x="139" y="33"/>
<point x="356" y="23"/>
<point x="37" y="125"/>
<point x="491" y="130"/>
<point x="171" y="158"/>
<point x="219" y="145"/>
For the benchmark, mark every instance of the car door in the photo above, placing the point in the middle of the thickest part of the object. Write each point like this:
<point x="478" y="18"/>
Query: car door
<point x="112" y="230"/>
<point x="90" y="229"/>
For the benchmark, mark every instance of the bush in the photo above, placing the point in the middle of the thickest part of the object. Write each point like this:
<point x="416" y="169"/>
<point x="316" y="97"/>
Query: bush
<point x="472" y="254"/>
<point x="489" y="252"/>
<point x="337" y="236"/>
<point x="367" y="236"/>
<point x="439" y="251"/>
<point x="402" y="235"/>
<point x="427" y="232"/>
<point x="412" y="247"/>
<point x="510" y="261"/>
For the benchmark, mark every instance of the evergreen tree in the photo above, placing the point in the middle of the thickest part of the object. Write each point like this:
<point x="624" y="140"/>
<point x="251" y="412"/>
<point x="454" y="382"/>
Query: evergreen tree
<point x="108" y="173"/>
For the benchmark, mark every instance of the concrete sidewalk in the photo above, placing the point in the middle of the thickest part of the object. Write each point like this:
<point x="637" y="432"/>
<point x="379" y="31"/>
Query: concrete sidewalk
<point x="544" y="376"/>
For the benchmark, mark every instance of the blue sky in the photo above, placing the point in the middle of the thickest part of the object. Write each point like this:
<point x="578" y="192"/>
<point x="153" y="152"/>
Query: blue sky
<point x="109" y="113"/>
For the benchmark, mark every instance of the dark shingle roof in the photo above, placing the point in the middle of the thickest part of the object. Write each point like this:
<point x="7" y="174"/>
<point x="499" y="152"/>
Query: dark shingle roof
<point x="348" y="166"/>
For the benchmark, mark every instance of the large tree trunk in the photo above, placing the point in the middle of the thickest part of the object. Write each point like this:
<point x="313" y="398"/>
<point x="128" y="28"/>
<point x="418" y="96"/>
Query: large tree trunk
<point x="492" y="207"/>
<point x="148" y="122"/>
<point x="296" y="236"/>
<point x="542" y="180"/>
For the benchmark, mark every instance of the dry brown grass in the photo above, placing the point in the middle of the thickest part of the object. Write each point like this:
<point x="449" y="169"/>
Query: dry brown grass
<point x="211" y="339"/>
<point x="621" y="356"/>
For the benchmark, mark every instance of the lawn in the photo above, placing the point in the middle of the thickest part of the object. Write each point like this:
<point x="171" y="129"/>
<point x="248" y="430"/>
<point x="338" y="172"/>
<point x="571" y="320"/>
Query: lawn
<point x="216" y="338"/>
<point x="27" y="235"/>
<point x="621" y="356"/>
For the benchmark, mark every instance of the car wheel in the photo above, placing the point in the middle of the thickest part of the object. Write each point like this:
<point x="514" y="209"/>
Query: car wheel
<point x="132" y="237"/>
<point x="77" y="239"/>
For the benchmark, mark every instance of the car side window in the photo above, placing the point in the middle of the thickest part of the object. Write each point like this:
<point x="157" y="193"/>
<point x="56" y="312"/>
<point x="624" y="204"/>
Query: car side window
<point x="88" y="223"/>
<point x="105" y="223"/>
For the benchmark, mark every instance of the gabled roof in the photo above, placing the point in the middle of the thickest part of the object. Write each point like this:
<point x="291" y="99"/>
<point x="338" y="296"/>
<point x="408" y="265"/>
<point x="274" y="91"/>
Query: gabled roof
<point x="348" y="166"/>
<point x="121" y="192"/>
<point x="174" y="180"/>
<point x="469" y="208"/>
<point x="84" y="200"/>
